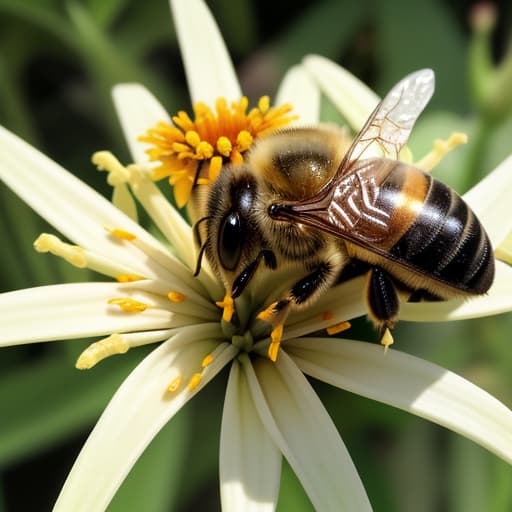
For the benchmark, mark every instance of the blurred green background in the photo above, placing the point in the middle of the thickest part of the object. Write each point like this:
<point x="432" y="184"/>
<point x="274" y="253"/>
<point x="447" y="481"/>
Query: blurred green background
<point x="58" y="61"/>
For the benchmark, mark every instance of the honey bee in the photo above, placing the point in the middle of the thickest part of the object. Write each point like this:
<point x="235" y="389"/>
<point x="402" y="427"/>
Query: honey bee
<point x="301" y="197"/>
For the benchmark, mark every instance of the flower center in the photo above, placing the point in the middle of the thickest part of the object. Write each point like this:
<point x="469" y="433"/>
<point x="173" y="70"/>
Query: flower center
<point x="192" y="151"/>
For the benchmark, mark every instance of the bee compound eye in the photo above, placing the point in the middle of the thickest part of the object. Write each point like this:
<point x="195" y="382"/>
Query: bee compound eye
<point x="230" y="241"/>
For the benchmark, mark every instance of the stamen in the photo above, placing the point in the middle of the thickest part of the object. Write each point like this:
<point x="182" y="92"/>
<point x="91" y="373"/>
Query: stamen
<point x="440" y="149"/>
<point x="71" y="253"/>
<point x="337" y="328"/>
<point x="121" y="234"/>
<point x="106" y="161"/>
<point x="128" y="278"/>
<point x="228" y="304"/>
<point x="128" y="305"/>
<point x="208" y="360"/>
<point x="176" y="297"/>
<point x="504" y="250"/>
<point x="275" y="342"/>
<point x="267" y="313"/>
<point x="387" y="340"/>
<point x="194" y="381"/>
<point x="175" y="384"/>
<point x="96" y="352"/>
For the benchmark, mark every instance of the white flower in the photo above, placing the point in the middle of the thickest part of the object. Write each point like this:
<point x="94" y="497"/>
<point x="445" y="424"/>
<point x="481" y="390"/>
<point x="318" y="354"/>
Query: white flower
<point x="270" y="408"/>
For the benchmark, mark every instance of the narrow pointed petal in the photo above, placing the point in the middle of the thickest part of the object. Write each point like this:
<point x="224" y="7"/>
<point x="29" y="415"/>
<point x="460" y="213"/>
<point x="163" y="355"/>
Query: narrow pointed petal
<point x="250" y="462"/>
<point x="209" y="70"/>
<point x="81" y="310"/>
<point x="497" y="300"/>
<point x="490" y="200"/>
<point x="302" y="92"/>
<point x="409" y="383"/>
<point x="354" y="100"/>
<point x="138" y="110"/>
<point x="136" y="413"/>
<point x="300" y="426"/>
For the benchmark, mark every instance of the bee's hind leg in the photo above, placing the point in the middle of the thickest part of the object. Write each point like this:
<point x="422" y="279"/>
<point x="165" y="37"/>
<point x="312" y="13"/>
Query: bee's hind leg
<point x="383" y="303"/>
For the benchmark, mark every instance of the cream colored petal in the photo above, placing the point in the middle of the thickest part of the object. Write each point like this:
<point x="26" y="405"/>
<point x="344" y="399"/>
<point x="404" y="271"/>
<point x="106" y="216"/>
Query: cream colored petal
<point x="300" y="426"/>
<point x="209" y="70"/>
<point x="354" y="100"/>
<point x="81" y="310"/>
<point x="138" y="110"/>
<point x="408" y="383"/>
<point x="302" y="92"/>
<point x="491" y="199"/>
<point x="497" y="300"/>
<point x="250" y="463"/>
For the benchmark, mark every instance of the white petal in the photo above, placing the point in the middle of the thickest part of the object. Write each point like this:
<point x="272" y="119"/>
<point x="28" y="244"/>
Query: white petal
<point x="354" y="100"/>
<point x="138" y="110"/>
<point x="300" y="426"/>
<point x="80" y="310"/>
<point x="209" y="70"/>
<point x="497" y="300"/>
<point x="411" y="384"/>
<point x="490" y="200"/>
<point x="136" y="413"/>
<point x="302" y="92"/>
<point x="250" y="463"/>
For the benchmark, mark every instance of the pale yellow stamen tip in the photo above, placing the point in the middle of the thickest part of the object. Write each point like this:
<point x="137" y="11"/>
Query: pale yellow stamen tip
<point x="327" y="315"/>
<point x="207" y="361"/>
<point x="175" y="384"/>
<point x="275" y="342"/>
<point x="128" y="278"/>
<point x="176" y="297"/>
<point x="504" y="250"/>
<point x="194" y="381"/>
<point x="440" y="149"/>
<point x="106" y="161"/>
<point x="71" y="253"/>
<point x="122" y="234"/>
<point x="264" y="104"/>
<point x="128" y="305"/>
<point x="267" y="313"/>
<point x="228" y="304"/>
<point x="96" y="352"/>
<point x="387" y="340"/>
<point x="335" y="329"/>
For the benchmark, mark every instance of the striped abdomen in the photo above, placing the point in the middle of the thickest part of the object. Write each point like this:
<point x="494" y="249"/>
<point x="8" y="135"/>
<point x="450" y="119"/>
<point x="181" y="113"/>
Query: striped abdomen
<point x="434" y="232"/>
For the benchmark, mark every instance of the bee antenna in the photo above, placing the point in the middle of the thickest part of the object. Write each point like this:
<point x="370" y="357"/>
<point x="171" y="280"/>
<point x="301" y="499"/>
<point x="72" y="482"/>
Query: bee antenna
<point x="199" y="260"/>
<point x="195" y="230"/>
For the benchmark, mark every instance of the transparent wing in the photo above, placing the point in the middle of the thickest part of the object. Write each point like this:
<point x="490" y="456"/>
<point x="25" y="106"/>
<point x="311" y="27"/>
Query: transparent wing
<point x="390" y="124"/>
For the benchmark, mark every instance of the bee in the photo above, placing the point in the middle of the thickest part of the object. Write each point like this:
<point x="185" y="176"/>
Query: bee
<point x="301" y="197"/>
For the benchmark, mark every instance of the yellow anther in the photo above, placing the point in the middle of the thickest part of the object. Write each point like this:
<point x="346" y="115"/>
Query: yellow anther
<point x="128" y="305"/>
<point x="335" y="329"/>
<point x="504" y="250"/>
<point x="228" y="304"/>
<point x="106" y="161"/>
<point x="121" y="234"/>
<point x="194" y="381"/>
<point x="96" y="352"/>
<point x="192" y="138"/>
<point x="264" y="104"/>
<point x="275" y="342"/>
<point x="71" y="253"/>
<point x="176" y="297"/>
<point x="387" y="340"/>
<point x="204" y="150"/>
<point x="128" y="278"/>
<point x="214" y="169"/>
<point x="175" y="384"/>
<point x="440" y="149"/>
<point x="267" y="313"/>
<point x="224" y="146"/>
<point x="208" y="360"/>
<point x="244" y="140"/>
<point x="327" y="315"/>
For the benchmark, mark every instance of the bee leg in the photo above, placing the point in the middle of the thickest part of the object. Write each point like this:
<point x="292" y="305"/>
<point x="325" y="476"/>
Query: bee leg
<point x="383" y="304"/>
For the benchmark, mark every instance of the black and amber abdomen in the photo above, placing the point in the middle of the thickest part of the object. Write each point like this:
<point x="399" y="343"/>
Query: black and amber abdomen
<point x="445" y="240"/>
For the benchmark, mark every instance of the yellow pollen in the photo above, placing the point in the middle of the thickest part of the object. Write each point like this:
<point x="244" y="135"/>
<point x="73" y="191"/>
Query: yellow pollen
<point x="267" y="313"/>
<point x="213" y="136"/>
<point x="228" y="304"/>
<point x="194" y="381"/>
<point x="275" y="342"/>
<point x="440" y="149"/>
<point x="106" y="161"/>
<point x="128" y="305"/>
<point x="387" y="340"/>
<point x="121" y="234"/>
<point x="128" y="278"/>
<point x="207" y="361"/>
<point x="175" y="384"/>
<point x="96" y="352"/>
<point x="71" y="253"/>
<point x="327" y="315"/>
<point x="176" y="297"/>
<point x="335" y="329"/>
